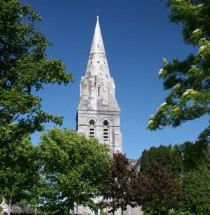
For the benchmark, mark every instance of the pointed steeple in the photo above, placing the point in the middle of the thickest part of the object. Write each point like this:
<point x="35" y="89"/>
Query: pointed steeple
<point x="97" y="62"/>
<point x="98" y="113"/>
<point x="97" y="44"/>
<point x="97" y="88"/>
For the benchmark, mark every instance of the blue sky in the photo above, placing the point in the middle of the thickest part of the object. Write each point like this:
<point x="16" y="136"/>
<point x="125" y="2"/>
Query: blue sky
<point x="137" y="35"/>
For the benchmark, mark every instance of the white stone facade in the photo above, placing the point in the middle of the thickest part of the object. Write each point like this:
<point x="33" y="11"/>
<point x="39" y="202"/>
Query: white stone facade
<point x="98" y="114"/>
<point x="129" y="211"/>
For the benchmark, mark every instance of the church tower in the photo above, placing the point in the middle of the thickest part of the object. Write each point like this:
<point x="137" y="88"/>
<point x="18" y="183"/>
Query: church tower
<point x="98" y="114"/>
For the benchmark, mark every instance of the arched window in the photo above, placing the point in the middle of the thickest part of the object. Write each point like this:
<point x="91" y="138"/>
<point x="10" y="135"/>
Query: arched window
<point x="106" y="131"/>
<point x="92" y="128"/>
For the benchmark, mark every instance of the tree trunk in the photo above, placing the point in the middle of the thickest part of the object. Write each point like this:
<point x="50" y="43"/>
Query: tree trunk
<point x="35" y="209"/>
<point x="121" y="211"/>
<point x="77" y="208"/>
<point x="71" y="206"/>
<point x="72" y="209"/>
<point x="9" y="207"/>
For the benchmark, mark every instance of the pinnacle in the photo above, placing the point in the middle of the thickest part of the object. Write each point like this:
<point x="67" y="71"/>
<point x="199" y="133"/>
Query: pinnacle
<point x="97" y="44"/>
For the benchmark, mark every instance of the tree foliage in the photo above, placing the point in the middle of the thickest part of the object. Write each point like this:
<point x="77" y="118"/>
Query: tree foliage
<point x="19" y="174"/>
<point x="196" y="154"/>
<point x="158" y="189"/>
<point x="74" y="167"/>
<point x="24" y="68"/>
<point x="119" y="188"/>
<point x="170" y="157"/>
<point x="188" y="80"/>
<point x="196" y="187"/>
<point x="185" y="161"/>
<point x="179" y="158"/>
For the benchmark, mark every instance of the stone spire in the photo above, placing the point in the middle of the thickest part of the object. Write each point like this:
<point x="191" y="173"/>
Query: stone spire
<point x="97" y="44"/>
<point x="97" y="58"/>
<point x="97" y="88"/>
<point x="98" y="113"/>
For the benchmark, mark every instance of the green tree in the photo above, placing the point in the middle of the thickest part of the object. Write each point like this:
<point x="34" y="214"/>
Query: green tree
<point x="24" y="68"/>
<point x="188" y="80"/>
<point x="170" y="157"/>
<point x="196" y="187"/>
<point x="74" y="167"/>
<point x="19" y="173"/>
<point x="198" y="153"/>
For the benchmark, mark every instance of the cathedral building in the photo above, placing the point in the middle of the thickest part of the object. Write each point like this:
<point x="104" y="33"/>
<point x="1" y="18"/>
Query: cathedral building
<point x="98" y="114"/>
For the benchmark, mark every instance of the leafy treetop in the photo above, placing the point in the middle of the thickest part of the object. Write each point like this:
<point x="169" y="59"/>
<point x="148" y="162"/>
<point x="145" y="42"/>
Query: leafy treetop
<point x="188" y="80"/>
<point x="119" y="189"/>
<point x="169" y="157"/>
<point x="74" y="167"/>
<point x="23" y="67"/>
<point x="158" y="189"/>
<point x="197" y="154"/>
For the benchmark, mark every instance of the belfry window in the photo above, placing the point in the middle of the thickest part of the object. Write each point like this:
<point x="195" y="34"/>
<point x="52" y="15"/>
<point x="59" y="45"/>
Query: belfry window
<point x="106" y="131"/>
<point x="92" y="128"/>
